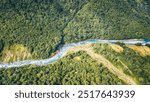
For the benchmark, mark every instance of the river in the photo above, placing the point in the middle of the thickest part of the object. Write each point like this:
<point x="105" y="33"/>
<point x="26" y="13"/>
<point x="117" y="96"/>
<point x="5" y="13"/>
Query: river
<point x="62" y="52"/>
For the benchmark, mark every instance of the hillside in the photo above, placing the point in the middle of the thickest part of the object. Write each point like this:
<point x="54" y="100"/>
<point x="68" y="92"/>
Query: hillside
<point x="85" y="65"/>
<point x="36" y="29"/>
<point x="44" y="25"/>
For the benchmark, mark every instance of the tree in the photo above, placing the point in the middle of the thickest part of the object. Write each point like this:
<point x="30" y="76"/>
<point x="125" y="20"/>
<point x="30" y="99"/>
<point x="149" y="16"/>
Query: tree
<point x="1" y="45"/>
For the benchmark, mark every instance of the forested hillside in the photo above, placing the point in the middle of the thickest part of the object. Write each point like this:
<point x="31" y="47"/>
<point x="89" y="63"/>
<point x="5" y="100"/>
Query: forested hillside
<point x="127" y="60"/>
<point x="44" y="25"/>
<point x="111" y="19"/>
<point x="75" y="69"/>
<point x="36" y="24"/>
<point x="36" y="29"/>
<point x="79" y="68"/>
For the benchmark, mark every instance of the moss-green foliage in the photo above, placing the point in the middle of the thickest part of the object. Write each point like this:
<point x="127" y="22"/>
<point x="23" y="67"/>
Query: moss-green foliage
<point x="1" y="45"/>
<point x="40" y="24"/>
<point x="131" y="62"/>
<point x="110" y="19"/>
<point x="67" y="71"/>
<point x="37" y="24"/>
<point x="15" y="52"/>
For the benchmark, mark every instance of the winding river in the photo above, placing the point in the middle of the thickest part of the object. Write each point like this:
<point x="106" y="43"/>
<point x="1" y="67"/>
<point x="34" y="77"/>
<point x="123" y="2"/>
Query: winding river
<point x="62" y="52"/>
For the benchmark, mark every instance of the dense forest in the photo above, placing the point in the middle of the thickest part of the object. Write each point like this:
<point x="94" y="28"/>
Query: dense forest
<point x="67" y="71"/>
<point x="80" y="69"/>
<point x="44" y="25"/>
<point x="131" y="62"/>
<point x="110" y="19"/>
<point x="37" y="24"/>
<point x="36" y="29"/>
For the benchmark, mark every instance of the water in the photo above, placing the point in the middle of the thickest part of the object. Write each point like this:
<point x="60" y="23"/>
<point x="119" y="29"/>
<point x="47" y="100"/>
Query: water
<point x="64" y="50"/>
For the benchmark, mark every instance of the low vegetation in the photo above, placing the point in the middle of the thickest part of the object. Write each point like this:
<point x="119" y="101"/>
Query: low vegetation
<point x="116" y="48"/>
<point x="129" y="61"/>
<point x="142" y="50"/>
<point x="15" y="52"/>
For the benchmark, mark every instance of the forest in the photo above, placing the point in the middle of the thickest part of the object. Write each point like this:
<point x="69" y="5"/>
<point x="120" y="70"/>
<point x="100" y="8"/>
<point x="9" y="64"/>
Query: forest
<point x="44" y="25"/>
<point x="36" y="24"/>
<point x="80" y="69"/>
<point x="130" y="61"/>
<point x="37" y="29"/>
<point x="67" y="71"/>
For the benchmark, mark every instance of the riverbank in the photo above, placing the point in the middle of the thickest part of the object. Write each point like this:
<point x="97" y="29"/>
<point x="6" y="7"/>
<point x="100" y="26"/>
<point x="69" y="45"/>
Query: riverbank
<point x="62" y="52"/>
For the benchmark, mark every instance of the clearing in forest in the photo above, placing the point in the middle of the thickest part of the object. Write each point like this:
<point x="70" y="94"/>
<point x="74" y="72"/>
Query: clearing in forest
<point x="100" y="59"/>
<point x="142" y="50"/>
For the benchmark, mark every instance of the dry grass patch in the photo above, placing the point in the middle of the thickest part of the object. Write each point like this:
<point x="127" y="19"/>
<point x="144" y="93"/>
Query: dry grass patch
<point x="15" y="52"/>
<point x="116" y="48"/>
<point x="79" y="48"/>
<point x="143" y="50"/>
<point x="77" y="58"/>
<point x="101" y="59"/>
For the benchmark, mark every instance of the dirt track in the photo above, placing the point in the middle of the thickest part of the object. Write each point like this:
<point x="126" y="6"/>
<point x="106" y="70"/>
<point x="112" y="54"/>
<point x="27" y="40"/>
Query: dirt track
<point x="100" y="59"/>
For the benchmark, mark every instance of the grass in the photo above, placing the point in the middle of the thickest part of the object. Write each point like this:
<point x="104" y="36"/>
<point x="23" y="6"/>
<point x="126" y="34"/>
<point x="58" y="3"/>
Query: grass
<point x="142" y="50"/>
<point x="116" y="48"/>
<point x="15" y="52"/>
